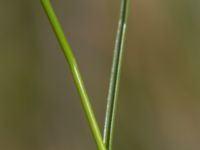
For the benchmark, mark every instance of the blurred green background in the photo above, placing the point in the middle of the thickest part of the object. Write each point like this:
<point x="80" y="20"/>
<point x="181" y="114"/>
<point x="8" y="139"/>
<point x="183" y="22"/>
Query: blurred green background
<point x="159" y="105"/>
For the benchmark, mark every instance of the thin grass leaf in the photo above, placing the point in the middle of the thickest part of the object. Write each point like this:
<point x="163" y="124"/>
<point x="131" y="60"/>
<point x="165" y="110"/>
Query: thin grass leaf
<point x="115" y="75"/>
<point x="75" y="72"/>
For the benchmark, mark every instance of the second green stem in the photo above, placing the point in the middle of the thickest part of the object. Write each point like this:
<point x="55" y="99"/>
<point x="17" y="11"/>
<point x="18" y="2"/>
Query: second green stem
<point x="115" y="76"/>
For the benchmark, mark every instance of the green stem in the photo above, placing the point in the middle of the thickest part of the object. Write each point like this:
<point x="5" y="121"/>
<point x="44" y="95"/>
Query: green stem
<point x="115" y="76"/>
<point x="75" y="72"/>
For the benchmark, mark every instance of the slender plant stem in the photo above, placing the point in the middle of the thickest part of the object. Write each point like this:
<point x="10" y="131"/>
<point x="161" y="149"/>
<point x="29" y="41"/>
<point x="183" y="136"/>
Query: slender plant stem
<point x="75" y="72"/>
<point x="115" y="75"/>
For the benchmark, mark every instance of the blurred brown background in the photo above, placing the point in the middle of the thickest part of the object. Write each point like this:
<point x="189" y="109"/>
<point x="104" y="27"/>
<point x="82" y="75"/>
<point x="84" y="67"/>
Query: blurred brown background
<point x="159" y="105"/>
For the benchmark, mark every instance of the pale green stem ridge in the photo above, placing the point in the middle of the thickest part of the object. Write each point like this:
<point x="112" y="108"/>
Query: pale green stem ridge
<point x="75" y="72"/>
<point x="115" y="75"/>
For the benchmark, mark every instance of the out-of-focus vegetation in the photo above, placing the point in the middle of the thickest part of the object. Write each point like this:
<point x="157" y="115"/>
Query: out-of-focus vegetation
<point x="159" y="94"/>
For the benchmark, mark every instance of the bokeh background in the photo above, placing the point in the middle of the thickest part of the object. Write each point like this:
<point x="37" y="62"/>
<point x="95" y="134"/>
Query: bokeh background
<point x="159" y="105"/>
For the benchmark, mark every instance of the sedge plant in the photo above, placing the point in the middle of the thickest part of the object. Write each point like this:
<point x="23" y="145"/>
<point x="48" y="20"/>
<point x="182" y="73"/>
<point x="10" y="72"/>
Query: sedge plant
<point x="104" y="143"/>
